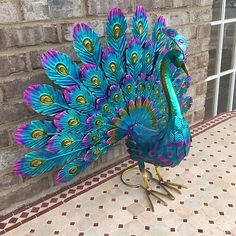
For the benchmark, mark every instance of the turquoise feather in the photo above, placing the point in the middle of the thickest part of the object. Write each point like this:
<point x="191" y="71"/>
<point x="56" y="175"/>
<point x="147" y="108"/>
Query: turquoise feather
<point x="140" y="25"/>
<point x="60" y="69"/>
<point x="86" y="44"/>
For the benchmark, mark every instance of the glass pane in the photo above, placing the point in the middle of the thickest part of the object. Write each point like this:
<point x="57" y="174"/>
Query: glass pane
<point x="216" y="10"/>
<point x="223" y="93"/>
<point x="209" y="99"/>
<point x="213" y="49"/>
<point x="228" y="44"/>
<point x="230" y="11"/>
<point x="234" y="99"/>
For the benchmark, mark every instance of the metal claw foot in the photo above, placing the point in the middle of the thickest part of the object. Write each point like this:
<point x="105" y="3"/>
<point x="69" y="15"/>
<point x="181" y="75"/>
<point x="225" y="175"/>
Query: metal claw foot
<point x="147" y="188"/>
<point x="165" y="185"/>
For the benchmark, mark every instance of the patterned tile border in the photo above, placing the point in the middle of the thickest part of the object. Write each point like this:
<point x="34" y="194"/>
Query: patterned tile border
<point x="33" y="210"/>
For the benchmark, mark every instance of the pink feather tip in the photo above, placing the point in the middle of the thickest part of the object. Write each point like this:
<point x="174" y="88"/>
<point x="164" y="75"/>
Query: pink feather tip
<point x="134" y="41"/>
<point x="18" y="134"/>
<point x="107" y="52"/>
<point x="85" y="69"/>
<point x="17" y="167"/>
<point x="47" y="56"/>
<point x="28" y="92"/>
<point x="140" y="12"/>
<point x="115" y="12"/>
<point x="80" y="27"/>
<point x="161" y="20"/>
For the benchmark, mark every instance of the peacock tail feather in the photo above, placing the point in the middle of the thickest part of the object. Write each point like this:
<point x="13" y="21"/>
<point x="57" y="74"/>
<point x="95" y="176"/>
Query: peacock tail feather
<point x="102" y="102"/>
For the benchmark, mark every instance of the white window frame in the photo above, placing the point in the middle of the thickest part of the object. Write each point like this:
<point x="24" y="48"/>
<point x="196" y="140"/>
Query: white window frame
<point x="231" y="72"/>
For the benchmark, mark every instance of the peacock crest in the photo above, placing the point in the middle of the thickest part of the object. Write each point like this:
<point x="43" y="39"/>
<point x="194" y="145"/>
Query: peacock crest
<point x="116" y="89"/>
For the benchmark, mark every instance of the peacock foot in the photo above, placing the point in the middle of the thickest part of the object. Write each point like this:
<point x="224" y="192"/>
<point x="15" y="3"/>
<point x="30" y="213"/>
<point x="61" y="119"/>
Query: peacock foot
<point x="148" y="189"/>
<point x="167" y="186"/>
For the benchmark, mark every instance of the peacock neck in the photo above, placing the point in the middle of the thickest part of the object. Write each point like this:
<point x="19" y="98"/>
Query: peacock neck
<point x="171" y="98"/>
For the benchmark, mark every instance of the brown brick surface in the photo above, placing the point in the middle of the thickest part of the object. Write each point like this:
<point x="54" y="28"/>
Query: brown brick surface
<point x="50" y="9"/>
<point x="12" y="64"/>
<point x="23" y="193"/>
<point x="28" y="36"/>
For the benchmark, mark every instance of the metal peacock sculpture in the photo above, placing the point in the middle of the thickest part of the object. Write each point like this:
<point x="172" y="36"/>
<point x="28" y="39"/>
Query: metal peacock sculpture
<point x="132" y="89"/>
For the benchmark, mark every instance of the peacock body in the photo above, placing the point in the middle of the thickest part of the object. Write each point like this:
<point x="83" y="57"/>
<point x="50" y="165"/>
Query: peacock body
<point x="132" y="89"/>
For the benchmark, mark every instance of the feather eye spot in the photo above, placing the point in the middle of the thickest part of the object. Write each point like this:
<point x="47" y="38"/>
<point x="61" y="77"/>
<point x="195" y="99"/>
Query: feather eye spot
<point x="140" y="87"/>
<point x="106" y="108"/>
<point x="183" y="85"/>
<point x="163" y="110"/>
<point x="37" y="134"/>
<point x="88" y="45"/>
<point x="62" y="69"/>
<point x="73" y="170"/>
<point x="66" y="142"/>
<point x="98" y="123"/>
<point x="172" y="46"/>
<point x="117" y="98"/>
<point x="148" y="58"/>
<point x="46" y="100"/>
<point x="134" y="58"/>
<point x="81" y="100"/>
<point x="149" y="87"/>
<point x="113" y="67"/>
<point x="96" y="152"/>
<point x="95" y="81"/>
<point x="156" y="92"/>
<point x="164" y="122"/>
<point x="73" y="122"/>
<point x="117" y="31"/>
<point x="158" y="35"/>
<point x="140" y="28"/>
<point x="129" y="88"/>
<point x="95" y="138"/>
<point x="36" y="163"/>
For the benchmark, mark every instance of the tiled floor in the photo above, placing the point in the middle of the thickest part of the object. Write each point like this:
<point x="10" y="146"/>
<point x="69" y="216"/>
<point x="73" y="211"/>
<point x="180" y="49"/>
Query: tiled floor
<point x="100" y="207"/>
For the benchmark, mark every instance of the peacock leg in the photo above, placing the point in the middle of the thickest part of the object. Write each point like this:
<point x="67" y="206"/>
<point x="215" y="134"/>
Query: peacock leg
<point x="166" y="184"/>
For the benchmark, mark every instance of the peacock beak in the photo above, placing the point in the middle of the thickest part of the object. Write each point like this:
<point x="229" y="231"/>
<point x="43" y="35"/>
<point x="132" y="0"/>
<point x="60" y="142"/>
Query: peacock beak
<point x="183" y="65"/>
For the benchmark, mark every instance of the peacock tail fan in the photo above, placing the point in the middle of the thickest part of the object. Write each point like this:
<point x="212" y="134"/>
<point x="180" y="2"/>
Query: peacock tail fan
<point x="94" y="106"/>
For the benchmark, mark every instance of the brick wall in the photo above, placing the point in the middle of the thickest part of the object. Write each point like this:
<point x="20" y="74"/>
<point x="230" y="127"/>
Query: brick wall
<point x="29" y="28"/>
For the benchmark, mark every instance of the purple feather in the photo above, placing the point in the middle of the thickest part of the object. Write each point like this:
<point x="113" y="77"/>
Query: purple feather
<point x="80" y="27"/>
<point x="29" y="91"/>
<point x="47" y="56"/>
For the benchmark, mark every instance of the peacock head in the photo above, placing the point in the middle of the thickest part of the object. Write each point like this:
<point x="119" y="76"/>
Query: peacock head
<point x="178" y="59"/>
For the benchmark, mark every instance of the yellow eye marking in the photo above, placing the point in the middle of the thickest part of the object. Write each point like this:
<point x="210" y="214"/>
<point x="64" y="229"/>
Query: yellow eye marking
<point x="134" y="58"/>
<point x="46" y="99"/>
<point x="62" y="69"/>
<point x="66" y="142"/>
<point x="73" y="122"/>
<point x="140" y="28"/>
<point x="117" y="31"/>
<point x="95" y="81"/>
<point x="37" y="134"/>
<point x="88" y="45"/>
<point x="36" y="163"/>
<point x="81" y="100"/>
<point x="73" y="170"/>
<point x="113" y="67"/>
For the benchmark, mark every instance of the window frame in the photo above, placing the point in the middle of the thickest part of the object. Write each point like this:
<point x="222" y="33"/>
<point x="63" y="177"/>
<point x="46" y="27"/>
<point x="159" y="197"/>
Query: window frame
<point x="231" y="72"/>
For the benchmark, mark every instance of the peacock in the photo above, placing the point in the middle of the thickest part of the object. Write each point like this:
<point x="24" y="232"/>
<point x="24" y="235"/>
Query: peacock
<point x="132" y="88"/>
